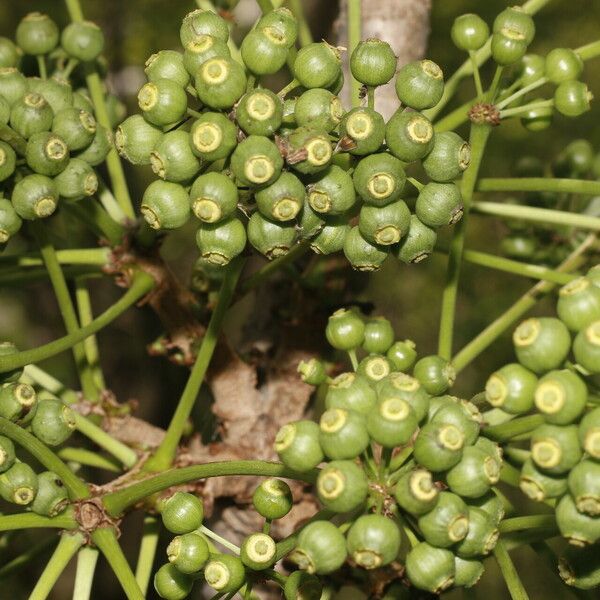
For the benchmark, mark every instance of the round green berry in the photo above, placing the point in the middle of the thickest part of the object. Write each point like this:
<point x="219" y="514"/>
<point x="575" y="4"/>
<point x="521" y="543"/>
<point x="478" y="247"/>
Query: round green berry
<point x="402" y="355"/>
<point x="162" y="102"/>
<point x="261" y="54"/>
<point x="135" y="139"/>
<point x="76" y="127"/>
<point x="333" y="192"/>
<point x="563" y="64"/>
<point x="34" y="197"/>
<point x="213" y="197"/>
<point x="308" y="150"/>
<point x="165" y="205"/>
<point x="77" y="181"/>
<point x="345" y="330"/>
<point x="31" y="114"/>
<point x="361" y="254"/>
<point x="435" y="374"/>
<point x="555" y="448"/>
<point x="385" y="225"/>
<point x="213" y="136"/>
<point x="13" y="84"/>
<point x="203" y="48"/>
<point x="283" y="199"/>
<point x="98" y="150"/>
<point x="409" y="135"/>
<point x="10" y="222"/>
<point x="439" y="446"/>
<point x="515" y="23"/>
<point x="46" y="153"/>
<point x="321" y="548"/>
<point x="8" y="161"/>
<point x="379" y="179"/>
<point x="182" y="512"/>
<point x="220" y="82"/>
<point x="416" y="492"/>
<point x="511" y="388"/>
<point x="449" y="157"/>
<point x="364" y="130"/>
<point x="297" y="445"/>
<point x="586" y="347"/>
<point x="167" y="64"/>
<point x="256" y="161"/>
<point x="482" y="536"/>
<point x="420" y="84"/>
<point x="343" y="434"/>
<point x="317" y="65"/>
<point x="578" y="304"/>
<point x="474" y="474"/>
<point x="37" y="34"/>
<point x="259" y="112"/>
<point x="172" y="158"/>
<point x="219" y="243"/>
<point x="392" y="423"/>
<point x="10" y="54"/>
<point x="469" y="32"/>
<point x="170" y="583"/>
<point x="561" y="396"/>
<point x="258" y="551"/>
<point x="580" y="529"/>
<point x="429" y="568"/>
<point x="272" y="499"/>
<point x="53" y="422"/>
<point x="350" y="391"/>
<point x="202" y="22"/>
<point x="318" y="108"/>
<point x="418" y="243"/>
<point x="447" y="522"/>
<point x="378" y="336"/>
<point x="342" y="486"/>
<point x="373" y="541"/>
<point x="188" y="552"/>
<point x="439" y="204"/>
<point x="540" y="486"/>
<point x="83" y="40"/>
<point x="7" y="454"/>
<point x="19" y="484"/>
<point x="507" y="50"/>
<point x="52" y="497"/>
<point x="373" y="62"/>
<point x="572" y="98"/>
<point x="302" y="586"/>
<point x="271" y="238"/>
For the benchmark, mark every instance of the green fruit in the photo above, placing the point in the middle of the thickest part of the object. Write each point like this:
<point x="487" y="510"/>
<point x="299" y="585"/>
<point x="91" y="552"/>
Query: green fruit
<point x="449" y="157"/>
<point x="19" y="484"/>
<point x="317" y="65"/>
<point x="361" y="254"/>
<point x="83" y="40"/>
<point x="172" y="158"/>
<point x="384" y="225"/>
<point x="519" y="246"/>
<point x="409" y="135"/>
<point x="578" y="304"/>
<point x="373" y="541"/>
<point x="51" y="498"/>
<point x="374" y="368"/>
<point x="213" y="197"/>
<point x="469" y="32"/>
<point x="447" y="522"/>
<point x="219" y="243"/>
<point x="34" y="197"/>
<point x="258" y="551"/>
<point x="373" y="62"/>
<point x="10" y="222"/>
<point x="256" y="161"/>
<point x="302" y="586"/>
<point x="462" y="414"/>
<point x="579" y="529"/>
<point x="318" y="108"/>
<point x="474" y="475"/>
<point x="97" y="151"/>
<point x="555" y="448"/>
<point x="572" y="98"/>
<point x="170" y="583"/>
<point x="364" y="129"/>
<point x="283" y="199"/>
<point x="439" y="204"/>
<point x="17" y="401"/>
<point x="420" y="84"/>
<point x="135" y="139"/>
<point x="57" y="92"/>
<point x="165" y="205"/>
<point x="8" y="161"/>
<point x="188" y="552"/>
<point x="468" y="572"/>
<point x="297" y="445"/>
<point x="262" y="54"/>
<point x="76" y="127"/>
<point x="198" y="51"/>
<point x="308" y="150"/>
<point x="280" y="26"/>
<point x="202" y="22"/>
<point x="515" y="23"/>
<point x="321" y="548"/>
<point x="10" y="54"/>
<point x="331" y="237"/>
<point x="343" y="434"/>
<point x="220" y="82"/>
<point x="402" y="355"/>
<point x="30" y="114"/>
<point x="333" y="192"/>
<point x="46" y="153"/>
<point x="162" y="102"/>
<point x="400" y="385"/>
<point x="482" y="536"/>
<point x="310" y="223"/>
<point x="563" y="64"/>
<point x="182" y="512"/>
<point x="538" y="485"/>
<point x="418" y="243"/>
<point x="532" y="68"/>
<point x="580" y="567"/>
<point x="224" y="573"/>
<point x="272" y="499"/>
<point x="586" y="347"/>
<point x="213" y="136"/>
<point x="379" y="179"/>
<point x="541" y="344"/>
<point x="271" y="238"/>
<point x="345" y="330"/>
<point x="580" y="157"/>
<point x="53" y="422"/>
<point x="561" y="397"/>
<point x="439" y="446"/>
<point x="37" y="34"/>
<point x="416" y="492"/>
<point x="429" y="568"/>
<point x="12" y="376"/>
<point x="13" y="85"/>
<point x="350" y="391"/>
<point x="259" y="112"/>
<point x="167" y="64"/>
<point x="379" y="335"/>
<point x="507" y="50"/>
<point x="312" y="371"/>
<point x="492" y="504"/>
<point x="393" y="423"/>
<point x="512" y="389"/>
<point x="7" y="454"/>
<point x="584" y="486"/>
<point x="342" y="486"/>
<point x="435" y="374"/>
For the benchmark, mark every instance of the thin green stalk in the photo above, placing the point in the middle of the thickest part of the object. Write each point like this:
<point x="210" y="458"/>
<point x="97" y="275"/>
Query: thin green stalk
<point x="528" y="522"/>
<point x="89" y="459"/>
<point x="591" y="50"/>
<point x="400" y="458"/>
<point x="105" y="539"/>
<point x="147" y="552"/>
<point x="120" y="451"/>
<point x="539" y="184"/>
<point x="119" y="500"/>
<point x="20" y="277"/>
<point x="93" y="215"/>
<point x="235" y="52"/>
<point x="87" y="559"/>
<point x="354" y="37"/>
<point x="67" y="547"/>
<point x="19" y="521"/>
<point x="304" y="34"/>
<point x="110" y="204"/>
<point x="537" y="215"/>
<point x="510" y="475"/>
<point x="43" y="71"/>
<point x="165" y="453"/>
<point x="371" y="97"/>
<point x="21" y="561"/>
<point x="519" y="110"/>
<point x="81" y="256"/>
<point x="511" y="577"/>
<point x="479" y="137"/>
<point x="141" y="285"/>
<point x="506" y="431"/>
<point x="67" y="310"/>
<point x="456" y="118"/>
<point x="353" y="359"/>
<point x="476" y="74"/>
<point x="219" y="539"/>
<point x="76" y="488"/>
<point x="265" y="6"/>
<point x="516" y="455"/>
<point x="509" y="317"/>
<point x="90" y="345"/>
<point x="51" y="384"/>
<point x="524" y="90"/>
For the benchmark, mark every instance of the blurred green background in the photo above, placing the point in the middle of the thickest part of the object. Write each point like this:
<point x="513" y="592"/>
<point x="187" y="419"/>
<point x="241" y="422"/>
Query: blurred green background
<point x="409" y="295"/>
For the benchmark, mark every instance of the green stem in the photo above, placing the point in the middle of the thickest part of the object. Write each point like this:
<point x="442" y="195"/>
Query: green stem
<point x="528" y="522"/>
<point x="518" y="110"/>
<point x="509" y="317"/>
<point x="591" y="50"/>
<point x="505" y="431"/>
<point x="89" y="459"/>
<point x="76" y="488"/>
<point x="511" y="577"/>
<point x="81" y="256"/>
<point x="116" y="502"/>
<point x="21" y="521"/>
<point x="479" y="137"/>
<point x="87" y="559"/>
<point x="120" y="451"/>
<point x="456" y="118"/>
<point x="304" y="34"/>
<point x="353" y="359"/>
<point x="476" y="74"/>
<point x="41" y="62"/>
<point x="400" y="458"/>
<point x="416" y="183"/>
<point x="371" y="97"/>
<point x="21" y="561"/>
<point x="147" y="552"/>
<point x="537" y="215"/>
<point x="354" y="36"/>
<point x="165" y="453"/>
<point x="141" y="285"/>
<point x="67" y="310"/>
<point x="220" y="540"/>
<point x="20" y="277"/>
<point x="92" y="214"/>
<point x="67" y="547"/>
<point x="539" y="184"/>
<point x="51" y="384"/>
<point x="292" y="85"/>
<point x="525" y="90"/>
<point x="510" y="475"/>
<point x="110" y="204"/>
<point x="106" y="540"/>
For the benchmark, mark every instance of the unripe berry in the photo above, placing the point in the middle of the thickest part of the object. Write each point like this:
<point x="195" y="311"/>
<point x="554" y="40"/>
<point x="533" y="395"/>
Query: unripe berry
<point x="373" y="62"/>
<point x="469" y="32"/>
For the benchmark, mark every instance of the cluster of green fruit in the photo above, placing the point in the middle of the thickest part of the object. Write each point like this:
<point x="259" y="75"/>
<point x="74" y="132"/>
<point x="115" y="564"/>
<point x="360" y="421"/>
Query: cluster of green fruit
<point x="50" y="140"/>
<point x="256" y="167"/>
<point x="513" y="31"/>
<point x="52" y="422"/>
<point x="556" y="376"/>
<point x="192" y="556"/>
<point x="550" y="245"/>
<point x="401" y="461"/>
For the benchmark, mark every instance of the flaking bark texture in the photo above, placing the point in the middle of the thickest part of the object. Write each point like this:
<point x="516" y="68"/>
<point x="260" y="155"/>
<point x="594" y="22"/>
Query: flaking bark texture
<point x="404" y="24"/>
